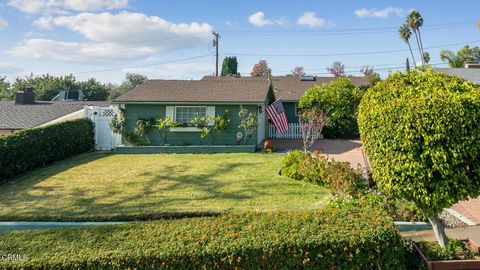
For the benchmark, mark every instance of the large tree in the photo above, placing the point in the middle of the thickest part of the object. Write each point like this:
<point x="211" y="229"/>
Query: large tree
<point x="415" y="21"/>
<point x="405" y="34"/>
<point x="131" y="80"/>
<point x="337" y="69"/>
<point x="46" y="87"/>
<point x="420" y="131"/>
<point x="6" y="92"/>
<point x="229" y="66"/>
<point x="94" y="90"/>
<point x="298" y="71"/>
<point x="463" y="56"/>
<point x="261" y="69"/>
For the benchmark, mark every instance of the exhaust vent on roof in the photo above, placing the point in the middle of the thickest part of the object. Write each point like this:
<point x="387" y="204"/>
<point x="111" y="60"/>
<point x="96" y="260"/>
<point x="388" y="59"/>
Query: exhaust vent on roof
<point x="307" y="78"/>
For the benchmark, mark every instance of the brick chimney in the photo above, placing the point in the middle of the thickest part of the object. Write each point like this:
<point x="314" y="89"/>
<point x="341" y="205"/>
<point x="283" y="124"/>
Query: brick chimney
<point x="472" y="65"/>
<point x="25" y="96"/>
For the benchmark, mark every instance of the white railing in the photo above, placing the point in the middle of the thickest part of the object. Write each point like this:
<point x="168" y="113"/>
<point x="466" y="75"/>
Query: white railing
<point x="294" y="132"/>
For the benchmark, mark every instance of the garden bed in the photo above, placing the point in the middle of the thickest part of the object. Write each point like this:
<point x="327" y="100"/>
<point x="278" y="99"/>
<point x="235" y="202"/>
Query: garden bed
<point x="167" y="149"/>
<point x="464" y="258"/>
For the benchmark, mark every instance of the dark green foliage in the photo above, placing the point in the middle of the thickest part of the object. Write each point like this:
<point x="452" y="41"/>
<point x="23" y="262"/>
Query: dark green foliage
<point x="30" y="148"/>
<point x="353" y="238"/>
<point x="131" y="80"/>
<point x="338" y="177"/>
<point x="46" y="87"/>
<point x="340" y="99"/>
<point x="94" y="90"/>
<point x="421" y="133"/>
<point x="6" y="92"/>
<point x="229" y="66"/>
<point x="454" y="250"/>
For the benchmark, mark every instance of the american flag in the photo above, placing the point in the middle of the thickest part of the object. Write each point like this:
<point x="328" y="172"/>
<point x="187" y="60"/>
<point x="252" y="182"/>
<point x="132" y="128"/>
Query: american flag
<point x="277" y="114"/>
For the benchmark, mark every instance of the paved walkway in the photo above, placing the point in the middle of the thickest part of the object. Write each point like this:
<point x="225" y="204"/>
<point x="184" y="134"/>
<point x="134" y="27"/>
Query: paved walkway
<point x="472" y="232"/>
<point x="6" y="226"/>
<point x="352" y="151"/>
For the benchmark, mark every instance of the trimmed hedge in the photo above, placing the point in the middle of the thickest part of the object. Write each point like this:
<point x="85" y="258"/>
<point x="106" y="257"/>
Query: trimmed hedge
<point x="350" y="238"/>
<point x="30" y="148"/>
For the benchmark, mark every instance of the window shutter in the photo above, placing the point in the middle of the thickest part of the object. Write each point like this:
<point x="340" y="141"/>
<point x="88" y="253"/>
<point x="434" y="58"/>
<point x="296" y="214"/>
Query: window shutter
<point x="169" y="112"/>
<point x="211" y="112"/>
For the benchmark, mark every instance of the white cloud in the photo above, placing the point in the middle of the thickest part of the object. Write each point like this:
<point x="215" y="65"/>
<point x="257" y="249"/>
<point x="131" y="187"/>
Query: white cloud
<point x="175" y="71"/>
<point x="383" y="13"/>
<point x="311" y="19"/>
<point x="77" y="52"/>
<point x="3" y="23"/>
<point x="258" y="19"/>
<point x="7" y="68"/>
<point x="65" y="6"/>
<point x="128" y="28"/>
<point x="113" y="37"/>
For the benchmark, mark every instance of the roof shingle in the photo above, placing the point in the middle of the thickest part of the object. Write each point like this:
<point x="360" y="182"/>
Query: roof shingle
<point x="228" y="90"/>
<point x="28" y="116"/>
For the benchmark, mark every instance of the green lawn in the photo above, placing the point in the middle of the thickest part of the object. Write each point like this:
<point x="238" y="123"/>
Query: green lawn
<point x="98" y="186"/>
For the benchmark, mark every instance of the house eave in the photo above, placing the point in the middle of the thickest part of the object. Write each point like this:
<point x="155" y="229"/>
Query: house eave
<point x="189" y="102"/>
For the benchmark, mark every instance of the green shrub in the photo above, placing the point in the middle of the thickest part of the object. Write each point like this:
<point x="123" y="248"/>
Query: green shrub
<point x="342" y="179"/>
<point x="340" y="99"/>
<point x="30" y="148"/>
<point x="353" y="238"/>
<point x="291" y="164"/>
<point x="454" y="250"/>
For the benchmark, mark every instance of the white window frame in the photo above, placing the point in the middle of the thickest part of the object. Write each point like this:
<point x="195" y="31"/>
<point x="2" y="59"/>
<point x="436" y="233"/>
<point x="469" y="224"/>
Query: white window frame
<point x="175" y="110"/>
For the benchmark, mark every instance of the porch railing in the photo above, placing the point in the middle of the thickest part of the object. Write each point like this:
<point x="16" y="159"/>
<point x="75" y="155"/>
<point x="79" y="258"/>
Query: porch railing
<point x="294" y="132"/>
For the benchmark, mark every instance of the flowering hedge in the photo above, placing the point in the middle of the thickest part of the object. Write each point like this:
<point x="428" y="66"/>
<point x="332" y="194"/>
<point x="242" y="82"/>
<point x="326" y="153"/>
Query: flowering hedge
<point x="30" y="148"/>
<point x="350" y="238"/>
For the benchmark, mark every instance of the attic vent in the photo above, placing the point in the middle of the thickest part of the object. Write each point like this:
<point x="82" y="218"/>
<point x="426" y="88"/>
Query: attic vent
<point x="308" y="78"/>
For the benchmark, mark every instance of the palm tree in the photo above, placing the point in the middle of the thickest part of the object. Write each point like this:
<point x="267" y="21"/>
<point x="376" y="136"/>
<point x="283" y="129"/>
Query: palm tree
<point x="454" y="61"/>
<point x="405" y="35"/>
<point x="415" y="21"/>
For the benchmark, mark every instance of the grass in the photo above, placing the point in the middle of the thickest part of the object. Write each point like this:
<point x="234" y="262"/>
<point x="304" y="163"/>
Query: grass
<point x="97" y="186"/>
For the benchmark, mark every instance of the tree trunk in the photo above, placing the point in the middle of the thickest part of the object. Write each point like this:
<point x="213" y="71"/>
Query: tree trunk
<point x="421" y="43"/>
<point x="419" y="49"/>
<point x="411" y="52"/>
<point x="439" y="230"/>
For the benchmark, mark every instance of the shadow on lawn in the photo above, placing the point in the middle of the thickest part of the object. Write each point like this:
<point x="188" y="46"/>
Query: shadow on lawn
<point x="145" y="203"/>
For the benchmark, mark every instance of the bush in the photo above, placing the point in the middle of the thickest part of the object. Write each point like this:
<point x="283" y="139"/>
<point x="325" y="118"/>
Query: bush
<point x="340" y="99"/>
<point x="351" y="238"/>
<point x="341" y="179"/>
<point x="30" y="148"/>
<point x="338" y="176"/>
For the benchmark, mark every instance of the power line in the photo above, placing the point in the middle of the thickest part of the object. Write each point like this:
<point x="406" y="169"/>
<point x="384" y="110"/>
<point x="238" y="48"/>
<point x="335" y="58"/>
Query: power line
<point x="348" y="31"/>
<point x="347" y="54"/>
<point x="145" y="65"/>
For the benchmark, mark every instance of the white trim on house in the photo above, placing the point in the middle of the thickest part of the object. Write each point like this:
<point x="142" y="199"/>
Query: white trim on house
<point x="185" y="129"/>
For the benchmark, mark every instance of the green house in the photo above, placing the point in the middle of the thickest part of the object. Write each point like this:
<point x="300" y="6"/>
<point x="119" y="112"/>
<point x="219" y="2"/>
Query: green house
<point x="184" y="100"/>
<point x="289" y="89"/>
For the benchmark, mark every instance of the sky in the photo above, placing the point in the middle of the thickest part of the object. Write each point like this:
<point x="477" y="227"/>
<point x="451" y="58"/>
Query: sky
<point x="106" y="39"/>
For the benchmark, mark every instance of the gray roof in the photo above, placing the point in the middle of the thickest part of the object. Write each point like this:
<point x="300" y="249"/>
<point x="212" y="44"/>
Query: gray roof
<point x="289" y="88"/>
<point x="195" y="91"/>
<point x="27" y="116"/>
<point x="469" y="74"/>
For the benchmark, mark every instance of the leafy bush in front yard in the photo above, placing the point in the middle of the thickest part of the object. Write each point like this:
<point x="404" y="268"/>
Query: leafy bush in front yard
<point x="340" y="99"/>
<point x="30" y="148"/>
<point x="353" y="238"/>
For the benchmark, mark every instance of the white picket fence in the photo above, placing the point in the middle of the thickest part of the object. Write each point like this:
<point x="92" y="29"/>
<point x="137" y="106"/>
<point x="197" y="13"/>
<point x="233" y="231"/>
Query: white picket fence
<point x="294" y="132"/>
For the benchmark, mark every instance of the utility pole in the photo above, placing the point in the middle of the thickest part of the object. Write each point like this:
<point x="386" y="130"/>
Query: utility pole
<point x="215" y="44"/>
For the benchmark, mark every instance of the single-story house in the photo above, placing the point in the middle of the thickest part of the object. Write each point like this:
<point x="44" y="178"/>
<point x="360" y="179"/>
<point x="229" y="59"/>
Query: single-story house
<point x="183" y="100"/>
<point x="25" y="112"/>
<point x="290" y="89"/>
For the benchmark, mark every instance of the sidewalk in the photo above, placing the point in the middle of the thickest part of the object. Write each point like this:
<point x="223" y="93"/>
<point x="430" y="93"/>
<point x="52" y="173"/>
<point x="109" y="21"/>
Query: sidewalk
<point x="472" y="232"/>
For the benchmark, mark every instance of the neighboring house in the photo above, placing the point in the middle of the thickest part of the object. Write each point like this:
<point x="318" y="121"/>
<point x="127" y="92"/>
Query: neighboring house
<point x="184" y="100"/>
<point x="470" y="73"/>
<point x="25" y="112"/>
<point x="290" y="89"/>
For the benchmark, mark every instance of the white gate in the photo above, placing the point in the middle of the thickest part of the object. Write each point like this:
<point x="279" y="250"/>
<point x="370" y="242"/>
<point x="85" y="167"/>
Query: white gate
<point x="294" y="132"/>
<point x="105" y="139"/>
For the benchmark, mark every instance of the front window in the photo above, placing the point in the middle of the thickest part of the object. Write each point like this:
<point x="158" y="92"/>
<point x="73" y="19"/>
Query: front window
<point x="184" y="114"/>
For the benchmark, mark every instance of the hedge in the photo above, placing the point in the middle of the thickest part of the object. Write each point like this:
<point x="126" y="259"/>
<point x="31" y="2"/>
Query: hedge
<point x="353" y="238"/>
<point x="30" y="148"/>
